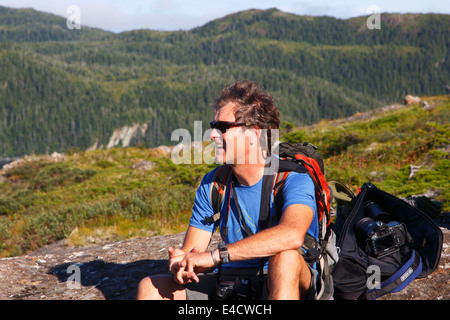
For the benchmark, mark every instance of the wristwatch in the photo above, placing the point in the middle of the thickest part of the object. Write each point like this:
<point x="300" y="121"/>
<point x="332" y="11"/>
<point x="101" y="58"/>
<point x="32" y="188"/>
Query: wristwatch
<point x="223" y="251"/>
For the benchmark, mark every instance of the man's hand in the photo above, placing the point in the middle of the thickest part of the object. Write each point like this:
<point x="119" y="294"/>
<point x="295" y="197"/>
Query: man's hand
<point x="185" y="270"/>
<point x="175" y="255"/>
<point x="176" y="267"/>
<point x="196" y="241"/>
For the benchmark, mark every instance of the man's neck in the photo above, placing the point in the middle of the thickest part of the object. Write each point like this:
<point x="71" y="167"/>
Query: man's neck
<point x="248" y="175"/>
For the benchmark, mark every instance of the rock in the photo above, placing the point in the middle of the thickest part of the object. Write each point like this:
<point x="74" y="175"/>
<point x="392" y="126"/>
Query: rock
<point x="126" y="134"/>
<point x="426" y="106"/>
<point x="409" y="99"/>
<point x="57" y="157"/>
<point x="4" y="161"/>
<point x="144" y="165"/>
<point x="17" y="162"/>
<point x="164" y="150"/>
<point x="112" y="271"/>
<point x="13" y="164"/>
<point x="93" y="147"/>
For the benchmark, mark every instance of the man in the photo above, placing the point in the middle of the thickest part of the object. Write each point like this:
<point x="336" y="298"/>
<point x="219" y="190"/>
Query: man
<point x="243" y="111"/>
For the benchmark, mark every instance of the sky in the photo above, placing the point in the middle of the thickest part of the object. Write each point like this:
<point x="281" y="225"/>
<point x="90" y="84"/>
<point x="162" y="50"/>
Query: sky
<point x="170" y="15"/>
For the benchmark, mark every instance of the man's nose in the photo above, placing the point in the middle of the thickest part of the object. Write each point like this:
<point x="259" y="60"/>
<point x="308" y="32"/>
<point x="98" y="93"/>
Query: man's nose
<point x="215" y="134"/>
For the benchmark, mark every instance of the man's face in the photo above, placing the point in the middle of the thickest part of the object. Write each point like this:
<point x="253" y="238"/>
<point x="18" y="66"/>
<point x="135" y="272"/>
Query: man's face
<point x="232" y="147"/>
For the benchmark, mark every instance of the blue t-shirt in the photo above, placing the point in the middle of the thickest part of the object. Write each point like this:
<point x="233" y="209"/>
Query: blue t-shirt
<point x="298" y="189"/>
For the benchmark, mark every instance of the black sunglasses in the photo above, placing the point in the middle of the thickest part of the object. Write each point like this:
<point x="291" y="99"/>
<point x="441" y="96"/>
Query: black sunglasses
<point x="223" y="126"/>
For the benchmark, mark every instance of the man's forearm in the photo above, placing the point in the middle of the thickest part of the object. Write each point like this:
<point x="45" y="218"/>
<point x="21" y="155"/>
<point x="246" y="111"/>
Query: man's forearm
<point x="266" y="243"/>
<point x="288" y="235"/>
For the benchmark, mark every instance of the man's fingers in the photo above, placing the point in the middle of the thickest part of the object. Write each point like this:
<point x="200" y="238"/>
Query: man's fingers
<point x="183" y="277"/>
<point x="175" y="252"/>
<point x="179" y="278"/>
<point x="171" y="251"/>
<point x="184" y="270"/>
<point x="195" y="250"/>
<point x="194" y="277"/>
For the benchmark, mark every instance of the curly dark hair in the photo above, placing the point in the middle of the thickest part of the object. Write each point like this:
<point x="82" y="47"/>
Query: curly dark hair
<point x="253" y="105"/>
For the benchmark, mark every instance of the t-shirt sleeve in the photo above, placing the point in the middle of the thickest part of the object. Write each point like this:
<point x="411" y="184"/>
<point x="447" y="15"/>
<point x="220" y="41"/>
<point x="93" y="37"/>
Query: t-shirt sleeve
<point x="202" y="205"/>
<point x="299" y="189"/>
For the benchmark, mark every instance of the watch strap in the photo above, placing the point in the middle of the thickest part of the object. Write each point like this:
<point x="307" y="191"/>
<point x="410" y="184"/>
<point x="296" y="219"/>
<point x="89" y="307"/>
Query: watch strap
<point x="223" y="250"/>
<point x="213" y="255"/>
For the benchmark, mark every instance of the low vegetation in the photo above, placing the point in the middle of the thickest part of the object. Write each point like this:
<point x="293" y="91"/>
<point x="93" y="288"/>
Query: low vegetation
<point x="382" y="149"/>
<point x="91" y="196"/>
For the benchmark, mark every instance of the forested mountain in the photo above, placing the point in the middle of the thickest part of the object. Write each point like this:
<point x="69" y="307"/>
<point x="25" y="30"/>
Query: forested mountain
<point x="62" y="89"/>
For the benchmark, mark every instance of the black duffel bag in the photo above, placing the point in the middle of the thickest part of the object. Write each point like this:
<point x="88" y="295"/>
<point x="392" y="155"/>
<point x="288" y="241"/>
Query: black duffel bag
<point x="384" y="244"/>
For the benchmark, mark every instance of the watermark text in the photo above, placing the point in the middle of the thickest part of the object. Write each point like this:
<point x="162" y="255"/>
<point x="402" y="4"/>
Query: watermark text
<point x="74" y="18"/>
<point x="374" y="21"/>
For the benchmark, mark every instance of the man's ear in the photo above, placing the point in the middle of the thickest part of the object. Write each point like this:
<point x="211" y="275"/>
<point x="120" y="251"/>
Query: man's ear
<point x="262" y="136"/>
<point x="254" y="135"/>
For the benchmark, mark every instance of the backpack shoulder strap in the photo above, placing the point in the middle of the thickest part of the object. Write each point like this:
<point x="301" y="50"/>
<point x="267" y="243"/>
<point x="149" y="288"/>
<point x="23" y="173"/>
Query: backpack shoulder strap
<point x="218" y="188"/>
<point x="217" y="191"/>
<point x="266" y="196"/>
<point x="285" y="167"/>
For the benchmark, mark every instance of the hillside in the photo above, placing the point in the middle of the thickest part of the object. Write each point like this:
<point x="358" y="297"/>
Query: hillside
<point x="403" y="149"/>
<point x="110" y="195"/>
<point x="65" y="90"/>
<point x="29" y="25"/>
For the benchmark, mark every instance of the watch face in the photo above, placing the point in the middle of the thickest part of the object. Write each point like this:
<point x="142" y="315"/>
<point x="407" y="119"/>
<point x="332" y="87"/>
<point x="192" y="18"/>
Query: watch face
<point x="224" y="253"/>
<point x="224" y="257"/>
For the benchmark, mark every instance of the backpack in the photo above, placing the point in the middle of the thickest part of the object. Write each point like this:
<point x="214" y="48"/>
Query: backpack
<point x="384" y="244"/>
<point x="302" y="158"/>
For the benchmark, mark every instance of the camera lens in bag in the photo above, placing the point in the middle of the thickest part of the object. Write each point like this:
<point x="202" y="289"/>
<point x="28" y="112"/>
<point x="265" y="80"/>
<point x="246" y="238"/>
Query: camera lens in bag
<point x="366" y="227"/>
<point x="374" y="211"/>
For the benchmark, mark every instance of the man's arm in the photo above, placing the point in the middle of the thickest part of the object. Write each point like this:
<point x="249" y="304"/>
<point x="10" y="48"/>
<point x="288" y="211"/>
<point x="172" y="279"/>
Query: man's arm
<point x="196" y="237"/>
<point x="287" y="235"/>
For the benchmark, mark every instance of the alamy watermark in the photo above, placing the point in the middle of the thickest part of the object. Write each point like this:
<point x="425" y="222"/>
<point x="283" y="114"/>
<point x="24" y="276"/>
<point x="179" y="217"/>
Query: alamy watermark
<point x="374" y="277"/>
<point x="234" y="149"/>
<point x="74" y="280"/>
<point x="74" y="18"/>
<point x="374" y="21"/>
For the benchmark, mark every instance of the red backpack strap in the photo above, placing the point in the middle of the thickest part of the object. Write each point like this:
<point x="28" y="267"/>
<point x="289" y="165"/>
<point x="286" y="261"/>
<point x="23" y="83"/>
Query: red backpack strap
<point x="217" y="191"/>
<point x="323" y="193"/>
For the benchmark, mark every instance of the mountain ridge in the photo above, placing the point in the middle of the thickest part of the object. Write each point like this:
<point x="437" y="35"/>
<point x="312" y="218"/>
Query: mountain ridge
<point x="34" y="25"/>
<point x="66" y="89"/>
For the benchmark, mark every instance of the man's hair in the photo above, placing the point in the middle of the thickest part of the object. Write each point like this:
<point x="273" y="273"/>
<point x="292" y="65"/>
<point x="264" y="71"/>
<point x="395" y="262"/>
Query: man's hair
<point x="253" y="105"/>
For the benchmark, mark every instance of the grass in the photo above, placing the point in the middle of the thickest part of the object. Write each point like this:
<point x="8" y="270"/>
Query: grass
<point x="382" y="149"/>
<point x="96" y="193"/>
<point x="89" y="197"/>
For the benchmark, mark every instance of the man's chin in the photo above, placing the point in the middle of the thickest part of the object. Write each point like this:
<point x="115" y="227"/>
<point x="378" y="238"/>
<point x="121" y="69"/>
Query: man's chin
<point x="219" y="160"/>
<point x="220" y="157"/>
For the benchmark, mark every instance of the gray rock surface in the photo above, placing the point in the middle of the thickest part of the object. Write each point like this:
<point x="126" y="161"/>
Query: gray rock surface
<point x="112" y="271"/>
